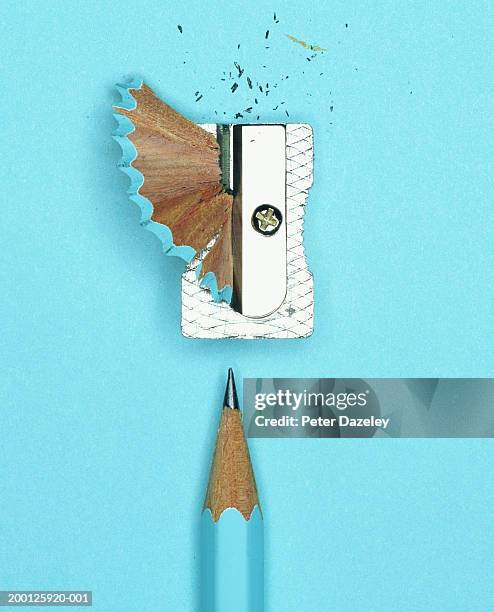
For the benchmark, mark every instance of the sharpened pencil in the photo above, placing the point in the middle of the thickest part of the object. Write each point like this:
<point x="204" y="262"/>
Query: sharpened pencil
<point x="232" y="529"/>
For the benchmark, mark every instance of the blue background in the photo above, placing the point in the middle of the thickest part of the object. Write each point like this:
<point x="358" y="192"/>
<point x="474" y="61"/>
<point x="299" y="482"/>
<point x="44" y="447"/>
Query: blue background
<point x="108" y="414"/>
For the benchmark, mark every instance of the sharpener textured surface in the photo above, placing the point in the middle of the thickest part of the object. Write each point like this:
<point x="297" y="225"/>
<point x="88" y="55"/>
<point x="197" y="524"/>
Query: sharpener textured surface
<point x="204" y="318"/>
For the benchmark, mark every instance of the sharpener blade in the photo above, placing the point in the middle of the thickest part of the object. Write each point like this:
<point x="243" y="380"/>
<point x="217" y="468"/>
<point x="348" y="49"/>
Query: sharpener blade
<point x="259" y="219"/>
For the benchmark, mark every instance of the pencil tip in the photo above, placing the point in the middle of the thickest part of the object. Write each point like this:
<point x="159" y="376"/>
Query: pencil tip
<point x="231" y="399"/>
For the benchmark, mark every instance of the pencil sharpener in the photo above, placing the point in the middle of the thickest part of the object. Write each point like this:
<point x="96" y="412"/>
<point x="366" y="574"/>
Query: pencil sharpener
<point x="269" y="170"/>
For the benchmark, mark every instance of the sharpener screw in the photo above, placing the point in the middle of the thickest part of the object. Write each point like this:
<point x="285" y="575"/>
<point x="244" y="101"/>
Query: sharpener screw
<point x="266" y="219"/>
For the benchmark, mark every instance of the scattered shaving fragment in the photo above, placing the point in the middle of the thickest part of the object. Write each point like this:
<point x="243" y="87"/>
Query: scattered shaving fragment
<point x="306" y="45"/>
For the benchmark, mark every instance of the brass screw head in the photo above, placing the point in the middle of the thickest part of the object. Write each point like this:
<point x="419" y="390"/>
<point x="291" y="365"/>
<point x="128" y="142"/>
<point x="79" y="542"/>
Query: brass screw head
<point x="266" y="219"/>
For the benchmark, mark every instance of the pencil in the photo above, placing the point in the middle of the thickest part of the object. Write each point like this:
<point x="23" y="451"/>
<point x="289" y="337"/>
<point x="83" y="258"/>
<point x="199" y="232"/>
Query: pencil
<point x="232" y="527"/>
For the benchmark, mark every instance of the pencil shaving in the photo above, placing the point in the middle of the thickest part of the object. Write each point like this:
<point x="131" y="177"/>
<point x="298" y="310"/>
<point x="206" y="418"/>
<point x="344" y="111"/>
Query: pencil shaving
<point x="178" y="164"/>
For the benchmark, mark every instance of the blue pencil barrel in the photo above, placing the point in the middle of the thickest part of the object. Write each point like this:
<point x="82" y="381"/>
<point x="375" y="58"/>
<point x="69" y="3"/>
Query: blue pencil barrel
<point x="232" y="572"/>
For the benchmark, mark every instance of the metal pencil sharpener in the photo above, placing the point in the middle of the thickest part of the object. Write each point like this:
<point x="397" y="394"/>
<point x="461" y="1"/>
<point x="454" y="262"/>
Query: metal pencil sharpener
<point x="269" y="170"/>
